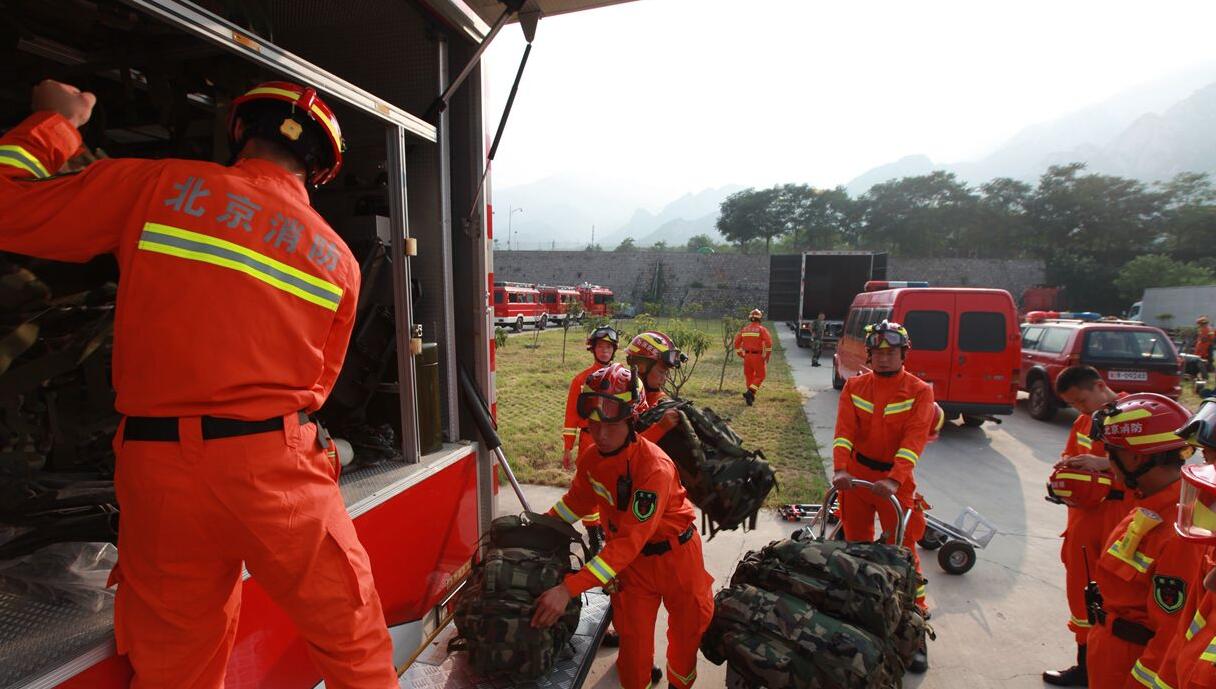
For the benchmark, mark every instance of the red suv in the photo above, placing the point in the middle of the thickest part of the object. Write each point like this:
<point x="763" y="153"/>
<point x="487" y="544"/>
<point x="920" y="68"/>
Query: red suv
<point x="1131" y="358"/>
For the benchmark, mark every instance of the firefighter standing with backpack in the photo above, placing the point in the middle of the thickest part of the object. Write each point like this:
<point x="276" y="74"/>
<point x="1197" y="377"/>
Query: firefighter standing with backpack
<point x="602" y="343"/>
<point x="883" y="422"/>
<point x="1096" y="502"/>
<point x="653" y="555"/>
<point x="754" y="346"/>
<point x="1147" y="571"/>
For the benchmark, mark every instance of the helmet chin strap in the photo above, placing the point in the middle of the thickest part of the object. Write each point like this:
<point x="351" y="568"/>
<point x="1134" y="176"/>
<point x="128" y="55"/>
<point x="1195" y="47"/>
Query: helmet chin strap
<point x="1132" y="478"/>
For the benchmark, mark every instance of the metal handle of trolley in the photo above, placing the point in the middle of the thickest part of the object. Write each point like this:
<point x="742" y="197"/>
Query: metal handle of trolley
<point x="821" y="517"/>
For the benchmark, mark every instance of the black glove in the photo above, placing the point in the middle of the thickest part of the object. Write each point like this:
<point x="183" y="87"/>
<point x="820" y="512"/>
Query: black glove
<point x="595" y="539"/>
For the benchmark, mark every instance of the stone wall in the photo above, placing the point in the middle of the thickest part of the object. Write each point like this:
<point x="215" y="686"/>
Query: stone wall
<point x="730" y="283"/>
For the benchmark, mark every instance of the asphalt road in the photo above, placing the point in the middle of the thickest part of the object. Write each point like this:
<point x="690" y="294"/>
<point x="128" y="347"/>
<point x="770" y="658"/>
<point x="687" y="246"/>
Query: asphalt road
<point x="999" y="625"/>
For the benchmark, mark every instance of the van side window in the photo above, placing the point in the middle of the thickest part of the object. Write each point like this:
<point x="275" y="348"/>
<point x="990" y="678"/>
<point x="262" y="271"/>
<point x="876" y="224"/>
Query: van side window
<point x="512" y="298"/>
<point x="929" y="330"/>
<point x="1030" y="338"/>
<point x="867" y="317"/>
<point x="849" y="322"/>
<point x="498" y="297"/>
<point x="1054" y="340"/>
<point x="981" y="331"/>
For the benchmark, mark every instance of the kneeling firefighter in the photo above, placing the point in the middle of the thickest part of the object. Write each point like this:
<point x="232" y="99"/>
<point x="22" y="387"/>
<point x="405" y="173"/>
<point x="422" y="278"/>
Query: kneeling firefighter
<point x="1146" y="574"/>
<point x="653" y="553"/>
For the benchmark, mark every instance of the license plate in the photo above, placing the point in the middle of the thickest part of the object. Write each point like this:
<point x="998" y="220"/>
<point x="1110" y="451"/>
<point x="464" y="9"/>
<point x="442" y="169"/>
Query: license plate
<point x="1128" y="375"/>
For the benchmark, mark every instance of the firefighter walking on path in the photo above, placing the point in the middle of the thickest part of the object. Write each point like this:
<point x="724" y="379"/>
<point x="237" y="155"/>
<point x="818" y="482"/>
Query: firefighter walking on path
<point x="1145" y="574"/>
<point x="883" y="422"/>
<point x="235" y="306"/>
<point x="653" y="555"/>
<point x="1096" y="502"/>
<point x="754" y="346"/>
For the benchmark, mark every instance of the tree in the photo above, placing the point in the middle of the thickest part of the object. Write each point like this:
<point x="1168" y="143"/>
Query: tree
<point x="700" y="242"/>
<point x="593" y="247"/>
<point x="659" y="246"/>
<point x="730" y="326"/>
<point x="1155" y="270"/>
<point x="693" y="342"/>
<point x="928" y="215"/>
<point x="627" y="244"/>
<point x="751" y="215"/>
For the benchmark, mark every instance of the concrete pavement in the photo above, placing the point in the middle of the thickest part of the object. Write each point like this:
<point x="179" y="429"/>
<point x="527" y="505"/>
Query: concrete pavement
<point x="999" y="625"/>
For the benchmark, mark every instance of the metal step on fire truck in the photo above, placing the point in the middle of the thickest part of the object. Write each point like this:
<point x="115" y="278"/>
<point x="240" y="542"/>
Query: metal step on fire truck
<point x="413" y="202"/>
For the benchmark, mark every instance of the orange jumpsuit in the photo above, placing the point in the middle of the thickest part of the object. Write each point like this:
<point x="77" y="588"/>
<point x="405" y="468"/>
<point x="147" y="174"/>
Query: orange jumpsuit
<point x="1087" y="530"/>
<point x="577" y="427"/>
<point x="754" y="345"/>
<point x="1145" y="574"/>
<point x="882" y="425"/>
<point x="235" y="300"/>
<point x="659" y="428"/>
<point x="1203" y="342"/>
<point x="1190" y="660"/>
<point x="654" y="551"/>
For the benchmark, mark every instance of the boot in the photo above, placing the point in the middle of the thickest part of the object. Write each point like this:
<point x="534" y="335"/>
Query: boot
<point x="611" y="639"/>
<point x="920" y="661"/>
<point x="656" y="675"/>
<point x="749" y="397"/>
<point x="814" y="363"/>
<point x="1075" y="676"/>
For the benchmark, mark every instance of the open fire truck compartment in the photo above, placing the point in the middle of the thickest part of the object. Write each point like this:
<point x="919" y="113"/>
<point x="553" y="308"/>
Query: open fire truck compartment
<point x="412" y="201"/>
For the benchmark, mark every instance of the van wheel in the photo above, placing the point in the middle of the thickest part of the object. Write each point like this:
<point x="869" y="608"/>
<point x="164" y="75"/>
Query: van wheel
<point x="519" y="324"/>
<point x="837" y="381"/>
<point x="1041" y="404"/>
<point x="972" y="421"/>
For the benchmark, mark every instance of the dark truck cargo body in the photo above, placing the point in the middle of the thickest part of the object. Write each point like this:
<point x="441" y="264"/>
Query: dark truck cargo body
<point x="801" y="286"/>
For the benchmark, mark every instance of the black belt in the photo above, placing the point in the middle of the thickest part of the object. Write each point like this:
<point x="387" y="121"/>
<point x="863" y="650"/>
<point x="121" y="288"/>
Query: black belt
<point x="1131" y="632"/>
<point x="660" y="547"/>
<point x="164" y="428"/>
<point x="874" y="463"/>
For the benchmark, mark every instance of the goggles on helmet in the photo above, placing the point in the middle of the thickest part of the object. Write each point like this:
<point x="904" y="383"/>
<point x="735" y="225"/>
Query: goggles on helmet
<point x="603" y="333"/>
<point x="1200" y="429"/>
<point x="885" y="334"/>
<point x="1196" y="520"/>
<point x="604" y="407"/>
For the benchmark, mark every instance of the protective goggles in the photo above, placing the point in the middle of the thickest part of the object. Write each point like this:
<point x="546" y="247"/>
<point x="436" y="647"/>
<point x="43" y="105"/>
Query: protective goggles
<point x="605" y="408"/>
<point x="603" y="334"/>
<point x="671" y="358"/>
<point x="1200" y="430"/>
<point x="887" y="338"/>
<point x="1196" y="520"/>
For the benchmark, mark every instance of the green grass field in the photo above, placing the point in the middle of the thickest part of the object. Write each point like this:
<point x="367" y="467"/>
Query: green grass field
<point x="532" y="386"/>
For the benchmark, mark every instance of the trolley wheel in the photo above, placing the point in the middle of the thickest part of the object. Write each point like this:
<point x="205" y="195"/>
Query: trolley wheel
<point x="956" y="557"/>
<point x="932" y="540"/>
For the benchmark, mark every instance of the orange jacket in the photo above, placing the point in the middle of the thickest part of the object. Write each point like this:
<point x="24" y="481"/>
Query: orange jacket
<point x="753" y="338"/>
<point x="887" y="420"/>
<point x="1147" y="580"/>
<point x="659" y="428"/>
<point x="658" y="509"/>
<point x="1203" y="340"/>
<point x="574" y="424"/>
<point x="1192" y="652"/>
<point x="235" y="298"/>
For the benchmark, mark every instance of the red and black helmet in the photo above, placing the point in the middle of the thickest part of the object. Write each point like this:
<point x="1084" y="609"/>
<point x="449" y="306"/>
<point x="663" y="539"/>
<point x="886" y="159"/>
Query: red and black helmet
<point x="1143" y="423"/>
<point x="654" y="346"/>
<point x="604" y="332"/>
<point x="611" y="394"/>
<point x="886" y="334"/>
<point x="294" y="116"/>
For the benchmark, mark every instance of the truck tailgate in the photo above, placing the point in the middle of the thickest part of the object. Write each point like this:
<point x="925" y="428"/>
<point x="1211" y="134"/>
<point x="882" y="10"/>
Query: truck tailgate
<point x="435" y="668"/>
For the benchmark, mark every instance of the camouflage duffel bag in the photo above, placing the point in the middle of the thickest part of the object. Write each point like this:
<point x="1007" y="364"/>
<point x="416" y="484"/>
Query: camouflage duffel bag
<point x="527" y="555"/>
<point x="832" y="580"/>
<point x="777" y="641"/>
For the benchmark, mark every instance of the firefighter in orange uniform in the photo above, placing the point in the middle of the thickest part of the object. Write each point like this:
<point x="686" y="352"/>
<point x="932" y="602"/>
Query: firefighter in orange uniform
<point x="1089" y="521"/>
<point x="235" y="306"/>
<point x="883" y="421"/>
<point x="1204" y="336"/>
<point x="602" y="343"/>
<point x="1146" y="572"/>
<point x="754" y="346"/>
<point x="653" y="555"/>
<point x="654" y="355"/>
<point x="1190" y="661"/>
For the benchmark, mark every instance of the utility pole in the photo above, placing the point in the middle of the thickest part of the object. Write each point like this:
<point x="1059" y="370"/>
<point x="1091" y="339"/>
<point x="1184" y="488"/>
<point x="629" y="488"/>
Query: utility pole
<point x="593" y="235"/>
<point x="510" y="215"/>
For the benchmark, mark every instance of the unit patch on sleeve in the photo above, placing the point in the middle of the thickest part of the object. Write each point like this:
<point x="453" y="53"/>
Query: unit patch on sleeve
<point x="1169" y="593"/>
<point x="644" y="504"/>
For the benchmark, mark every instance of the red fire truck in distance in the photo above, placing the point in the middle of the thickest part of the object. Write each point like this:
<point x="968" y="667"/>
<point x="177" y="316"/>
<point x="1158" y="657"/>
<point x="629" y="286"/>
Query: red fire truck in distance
<point x="597" y="300"/>
<point x="517" y="304"/>
<point x="561" y="302"/>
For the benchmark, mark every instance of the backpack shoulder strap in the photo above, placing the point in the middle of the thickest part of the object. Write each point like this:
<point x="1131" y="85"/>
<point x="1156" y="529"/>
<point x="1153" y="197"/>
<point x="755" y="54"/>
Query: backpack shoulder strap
<point x="652" y="415"/>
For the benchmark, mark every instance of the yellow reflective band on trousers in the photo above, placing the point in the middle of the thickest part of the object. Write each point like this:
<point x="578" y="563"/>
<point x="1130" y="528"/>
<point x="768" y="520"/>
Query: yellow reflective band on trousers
<point x="18" y="157"/>
<point x="686" y="680"/>
<point x="601" y="570"/>
<point x="193" y="246"/>
<point x="1144" y="675"/>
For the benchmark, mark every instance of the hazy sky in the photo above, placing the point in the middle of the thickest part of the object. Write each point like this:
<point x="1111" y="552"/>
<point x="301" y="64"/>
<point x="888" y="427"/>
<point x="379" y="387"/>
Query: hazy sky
<point x="686" y="94"/>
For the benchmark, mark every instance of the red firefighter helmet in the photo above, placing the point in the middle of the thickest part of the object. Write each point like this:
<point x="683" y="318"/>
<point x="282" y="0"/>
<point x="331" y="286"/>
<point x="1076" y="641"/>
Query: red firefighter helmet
<point x="294" y="116"/>
<point x="886" y="334"/>
<point x="654" y="346"/>
<point x="1143" y="423"/>
<point x="1196" y="520"/>
<point x="611" y="394"/>
<point x="1079" y="487"/>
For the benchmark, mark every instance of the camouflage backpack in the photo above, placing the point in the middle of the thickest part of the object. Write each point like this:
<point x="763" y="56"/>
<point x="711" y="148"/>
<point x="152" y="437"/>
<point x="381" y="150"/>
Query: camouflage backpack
<point x="727" y="482"/>
<point x="526" y="555"/>
<point x="778" y="641"/>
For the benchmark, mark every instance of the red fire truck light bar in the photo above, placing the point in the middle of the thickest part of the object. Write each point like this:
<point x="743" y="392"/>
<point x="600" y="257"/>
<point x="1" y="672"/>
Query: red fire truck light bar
<point x="876" y="285"/>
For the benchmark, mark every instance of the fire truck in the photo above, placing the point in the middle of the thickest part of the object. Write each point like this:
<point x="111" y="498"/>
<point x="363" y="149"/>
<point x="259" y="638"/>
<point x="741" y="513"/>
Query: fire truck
<point x="561" y="303"/>
<point x="597" y="300"/>
<point x="517" y="304"/>
<point x="413" y="202"/>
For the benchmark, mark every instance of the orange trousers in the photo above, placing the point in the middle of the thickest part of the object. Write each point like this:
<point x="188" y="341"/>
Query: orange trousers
<point x="1109" y="660"/>
<point x="194" y="511"/>
<point x="678" y="580"/>
<point x="857" y="509"/>
<point x="1084" y="540"/>
<point x="753" y="370"/>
